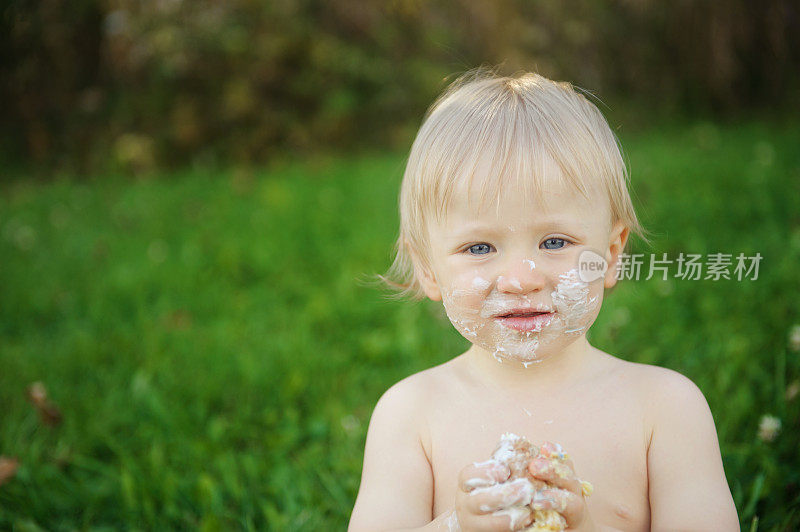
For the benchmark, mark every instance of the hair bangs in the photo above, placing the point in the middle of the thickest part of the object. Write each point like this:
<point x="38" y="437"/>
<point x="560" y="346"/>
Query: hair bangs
<point x="505" y="151"/>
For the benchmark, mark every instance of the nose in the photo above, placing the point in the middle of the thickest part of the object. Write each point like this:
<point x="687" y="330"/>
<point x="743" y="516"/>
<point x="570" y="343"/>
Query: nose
<point x="520" y="277"/>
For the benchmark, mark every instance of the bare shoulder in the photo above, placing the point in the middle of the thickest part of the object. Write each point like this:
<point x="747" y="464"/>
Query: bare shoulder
<point x="685" y="469"/>
<point x="666" y="396"/>
<point x="662" y="394"/>
<point x="656" y="385"/>
<point x="688" y="489"/>
<point x="419" y="384"/>
<point x="397" y="482"/>
<point x="401" y="408"/>
<point x="412" y="395"/>
<point x="634" y="370"/>
<point x="665" y="379"/>
<point x="636" y="376"/>
<point x="666" y="392"/>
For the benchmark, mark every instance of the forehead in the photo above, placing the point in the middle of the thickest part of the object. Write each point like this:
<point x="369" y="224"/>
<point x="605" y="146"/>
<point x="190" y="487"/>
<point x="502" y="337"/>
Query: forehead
<point x="524" y="200"/>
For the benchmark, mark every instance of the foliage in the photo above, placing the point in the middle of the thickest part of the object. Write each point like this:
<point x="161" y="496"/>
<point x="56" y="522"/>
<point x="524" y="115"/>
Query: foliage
<point x="124" y="84"/>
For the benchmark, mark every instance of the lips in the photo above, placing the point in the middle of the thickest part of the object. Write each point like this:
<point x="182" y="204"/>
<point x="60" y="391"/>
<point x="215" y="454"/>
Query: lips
<point x="526" y="321"/>
<point x="522" y="313"/>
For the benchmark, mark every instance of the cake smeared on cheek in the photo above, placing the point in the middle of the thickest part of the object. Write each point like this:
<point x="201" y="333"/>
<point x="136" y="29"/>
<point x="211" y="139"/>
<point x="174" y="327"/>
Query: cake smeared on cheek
<point x="471" y="307"/>
<point x="572" y="301"/>
<point x="461" y="303"/>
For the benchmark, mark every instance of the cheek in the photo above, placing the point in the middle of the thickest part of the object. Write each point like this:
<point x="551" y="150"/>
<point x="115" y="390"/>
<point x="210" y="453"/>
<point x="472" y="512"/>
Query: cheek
<point x="465" y="293"/>
<point x="576" y="301"/>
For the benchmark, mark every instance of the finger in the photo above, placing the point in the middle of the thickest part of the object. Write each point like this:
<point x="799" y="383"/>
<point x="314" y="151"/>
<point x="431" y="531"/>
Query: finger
<point x="569" y="505"/>
<point x="482" y="474"/>
<point x="559" y="473"/>
<point x="553" y="450"/>
<point x="517" y="492"/>
<point x="517" y="518"/>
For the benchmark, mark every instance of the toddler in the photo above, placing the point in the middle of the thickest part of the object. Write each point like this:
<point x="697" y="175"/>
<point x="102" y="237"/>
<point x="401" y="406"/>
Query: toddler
<point x="514" y="210"/>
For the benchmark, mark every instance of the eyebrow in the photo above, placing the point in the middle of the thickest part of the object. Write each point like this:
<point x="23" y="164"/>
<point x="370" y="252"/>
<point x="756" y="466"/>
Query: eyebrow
<point x="474" y="227"/>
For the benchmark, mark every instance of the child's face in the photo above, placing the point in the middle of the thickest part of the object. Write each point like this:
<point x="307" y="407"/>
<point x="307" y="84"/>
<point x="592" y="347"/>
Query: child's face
<point x="522" y="256"/>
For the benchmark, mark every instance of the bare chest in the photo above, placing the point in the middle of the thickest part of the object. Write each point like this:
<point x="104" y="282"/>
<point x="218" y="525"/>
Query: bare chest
<point x="602" y="432"/>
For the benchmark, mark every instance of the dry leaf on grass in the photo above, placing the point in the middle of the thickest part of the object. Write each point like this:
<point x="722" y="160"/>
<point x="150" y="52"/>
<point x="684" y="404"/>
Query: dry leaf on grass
<point x="8" y="468"/>
<point x="48" y="411"/>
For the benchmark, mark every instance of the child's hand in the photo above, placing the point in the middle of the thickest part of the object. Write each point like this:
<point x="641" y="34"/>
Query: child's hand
<point x="484" y="499"/>
<point x="567" y="496"/>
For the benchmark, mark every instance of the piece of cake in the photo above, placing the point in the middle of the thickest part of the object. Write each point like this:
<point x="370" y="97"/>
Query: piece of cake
<point x="516" y="452"/>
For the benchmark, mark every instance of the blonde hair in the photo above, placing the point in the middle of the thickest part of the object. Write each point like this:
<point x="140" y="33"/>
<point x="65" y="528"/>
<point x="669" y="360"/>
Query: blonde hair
<point x="519" y="122"/>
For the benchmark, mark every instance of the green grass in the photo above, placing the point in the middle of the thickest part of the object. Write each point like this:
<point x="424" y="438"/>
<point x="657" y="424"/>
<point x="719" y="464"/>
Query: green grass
<point x="216" y="360"/>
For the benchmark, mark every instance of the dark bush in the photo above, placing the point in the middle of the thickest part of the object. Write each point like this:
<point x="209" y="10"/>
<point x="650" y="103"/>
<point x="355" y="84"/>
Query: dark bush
<point x="140" y="84"/>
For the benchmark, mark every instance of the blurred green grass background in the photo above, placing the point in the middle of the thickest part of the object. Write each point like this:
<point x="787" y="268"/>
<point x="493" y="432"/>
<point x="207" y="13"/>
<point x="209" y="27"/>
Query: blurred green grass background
<point x="215" y="351"/>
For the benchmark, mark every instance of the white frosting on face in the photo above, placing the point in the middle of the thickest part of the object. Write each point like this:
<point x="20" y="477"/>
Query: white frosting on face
<point x="479" y="283"/>
<point x="571" y="298"/>
<point x="472" y="305"/>
<point x="517" y="270"/>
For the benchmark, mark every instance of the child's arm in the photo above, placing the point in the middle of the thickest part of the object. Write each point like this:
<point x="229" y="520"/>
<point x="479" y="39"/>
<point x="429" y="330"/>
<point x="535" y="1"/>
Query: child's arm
<point x="396" y="483"/>
<point x="688" y="489"/>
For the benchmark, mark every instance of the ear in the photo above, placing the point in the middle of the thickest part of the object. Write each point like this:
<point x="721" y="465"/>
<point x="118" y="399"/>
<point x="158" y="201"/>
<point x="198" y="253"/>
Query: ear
<point x="616" y="243"/>
<point x="424" y="275"/>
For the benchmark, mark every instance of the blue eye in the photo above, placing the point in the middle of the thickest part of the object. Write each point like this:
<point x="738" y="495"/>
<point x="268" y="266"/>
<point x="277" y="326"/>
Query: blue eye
<point x="479" y="249"/>
<point x="554" y="243"/>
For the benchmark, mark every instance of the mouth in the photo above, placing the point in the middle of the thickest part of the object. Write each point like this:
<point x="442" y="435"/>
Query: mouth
<point x="522" y="313"/>
<point x="526" y="320"/>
